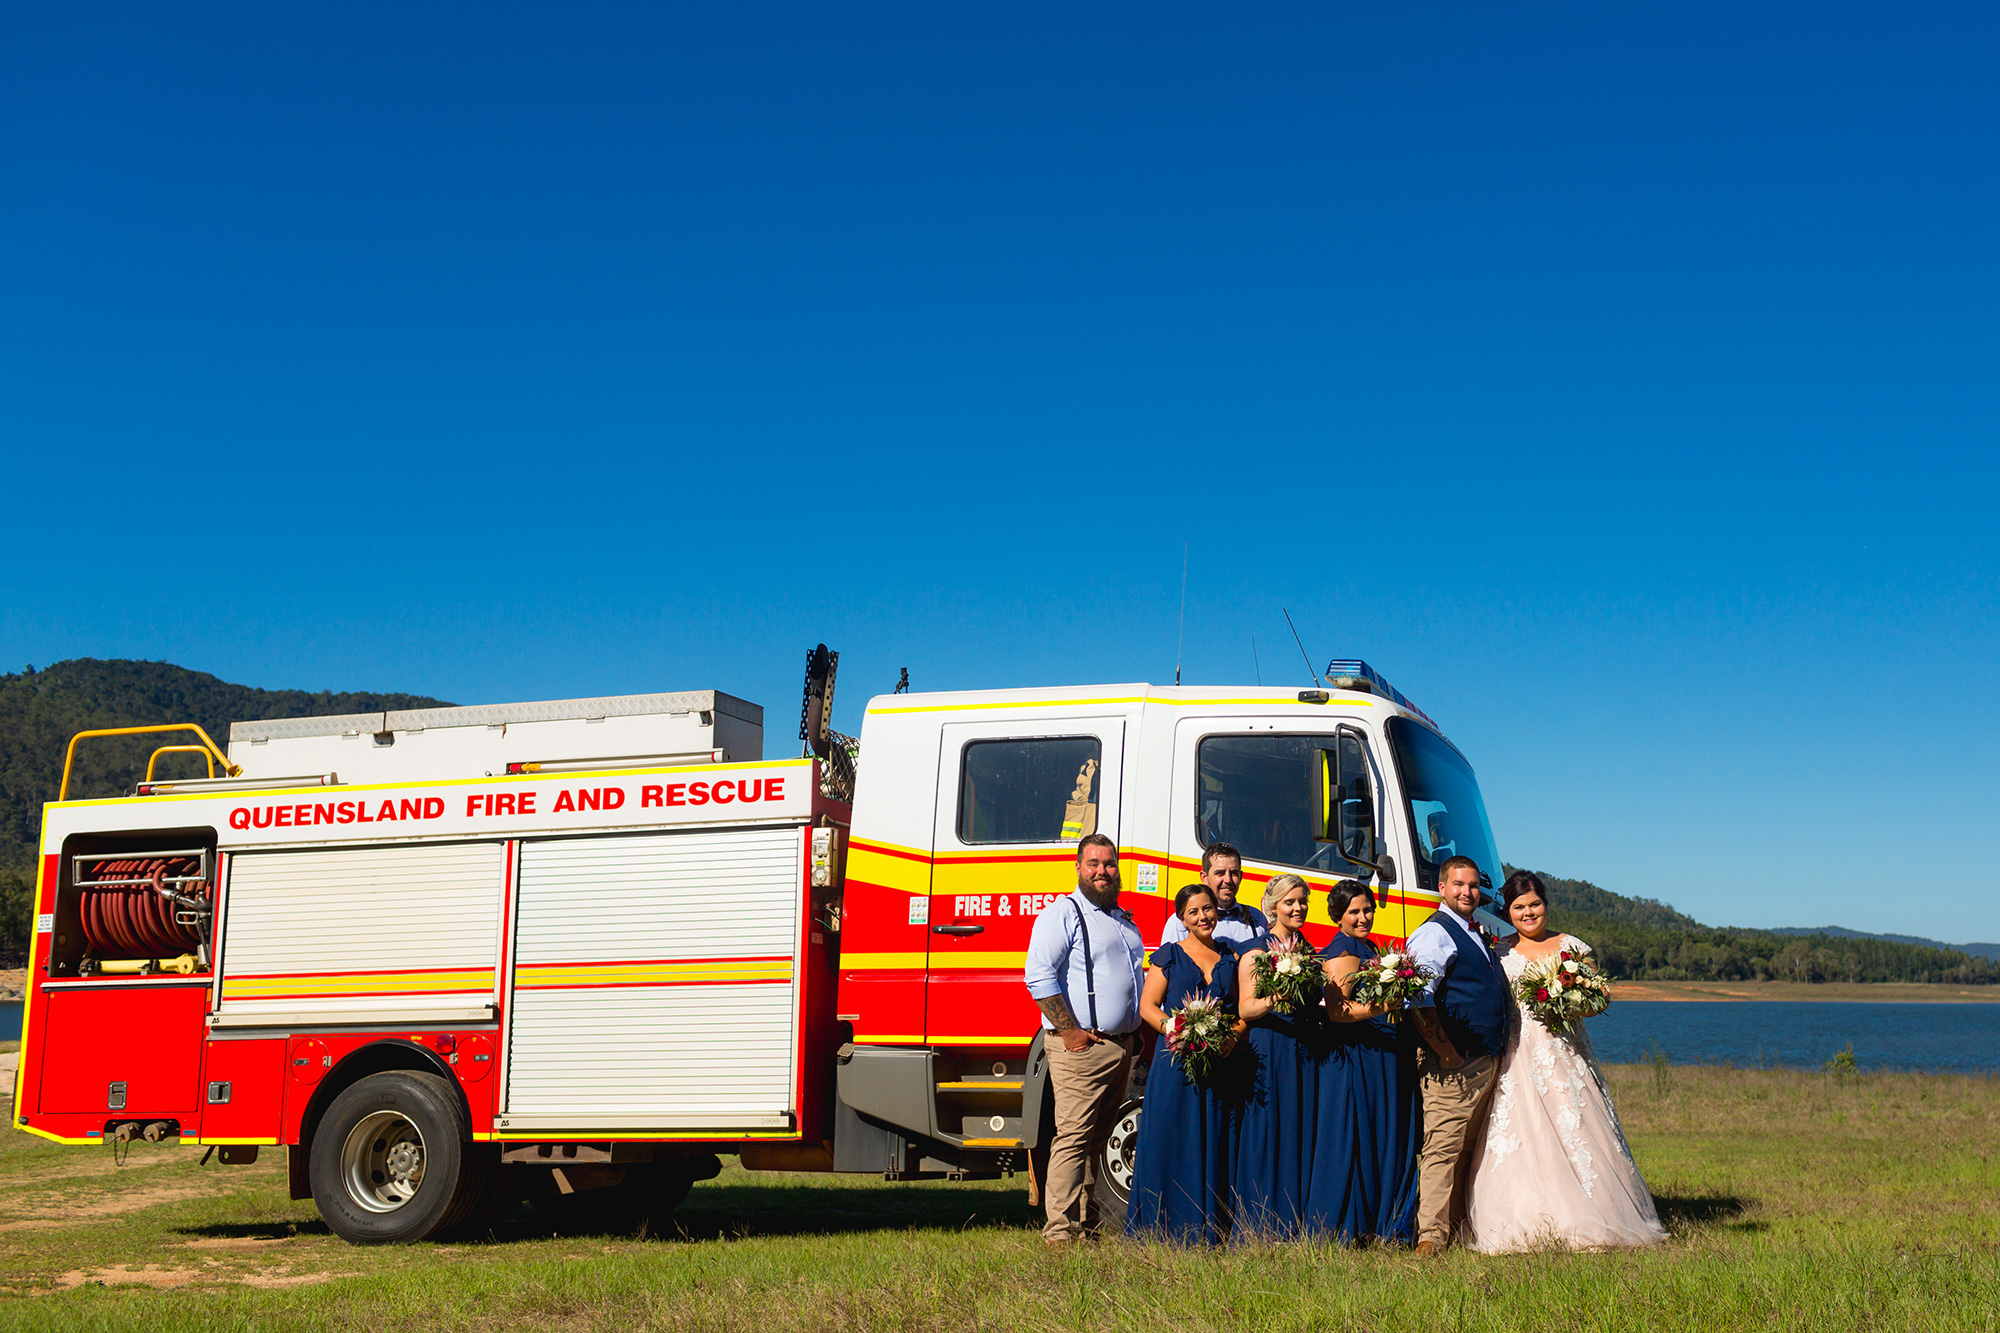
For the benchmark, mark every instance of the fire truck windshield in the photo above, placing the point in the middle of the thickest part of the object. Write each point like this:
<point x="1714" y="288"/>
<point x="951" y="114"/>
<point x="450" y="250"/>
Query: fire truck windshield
<point x="1447" y="816"/>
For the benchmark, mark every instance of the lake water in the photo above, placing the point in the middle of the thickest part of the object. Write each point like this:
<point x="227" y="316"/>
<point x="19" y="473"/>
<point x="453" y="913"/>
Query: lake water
<point x="1956" y="1038"/>
<point x="1959" y="1038"/>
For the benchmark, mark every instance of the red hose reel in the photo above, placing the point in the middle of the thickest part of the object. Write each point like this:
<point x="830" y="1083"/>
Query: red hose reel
<point x="146" y="906"/>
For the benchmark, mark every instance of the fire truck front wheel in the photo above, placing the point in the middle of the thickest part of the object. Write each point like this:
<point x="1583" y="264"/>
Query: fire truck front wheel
<point x="393" y="1162"/>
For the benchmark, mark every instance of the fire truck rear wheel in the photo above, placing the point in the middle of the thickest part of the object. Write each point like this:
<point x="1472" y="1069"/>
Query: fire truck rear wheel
<point x="392" y="1161"/>
<point x="1114" y="1165"/>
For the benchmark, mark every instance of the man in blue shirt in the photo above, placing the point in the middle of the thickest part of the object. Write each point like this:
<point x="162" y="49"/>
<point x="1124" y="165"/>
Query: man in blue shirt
<point x="1462" y="1016"/>
<point x="1239" y="923"/>
<point x="1086" y="967"/>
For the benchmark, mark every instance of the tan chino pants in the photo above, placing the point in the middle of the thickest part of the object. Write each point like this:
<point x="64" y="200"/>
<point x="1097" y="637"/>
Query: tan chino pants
<point x="1089" y="1088"/>
<point x="1455" y="1106"/>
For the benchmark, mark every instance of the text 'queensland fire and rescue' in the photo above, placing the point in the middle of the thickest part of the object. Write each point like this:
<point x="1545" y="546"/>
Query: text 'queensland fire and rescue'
<point x="722" y="791"/>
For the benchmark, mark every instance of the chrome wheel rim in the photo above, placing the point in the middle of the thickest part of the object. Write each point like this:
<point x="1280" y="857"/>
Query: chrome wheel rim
<point x="382" y="1162"/>
<point x="1119" y="1149"/>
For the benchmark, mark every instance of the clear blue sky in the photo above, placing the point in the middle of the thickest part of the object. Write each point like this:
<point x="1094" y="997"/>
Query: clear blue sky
<point x="1620" y="380"/>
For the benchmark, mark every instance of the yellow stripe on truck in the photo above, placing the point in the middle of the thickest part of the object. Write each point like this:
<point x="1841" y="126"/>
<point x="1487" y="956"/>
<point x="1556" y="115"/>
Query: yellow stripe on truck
<point x="357" y="983"/>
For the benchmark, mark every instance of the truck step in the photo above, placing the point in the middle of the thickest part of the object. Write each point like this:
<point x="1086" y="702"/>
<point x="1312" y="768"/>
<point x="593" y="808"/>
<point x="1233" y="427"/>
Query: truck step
<point x="990" y="1085"/>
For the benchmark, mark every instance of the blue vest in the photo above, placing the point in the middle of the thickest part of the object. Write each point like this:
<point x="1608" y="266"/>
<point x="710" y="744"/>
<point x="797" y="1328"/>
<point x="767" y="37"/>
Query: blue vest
<point x="1473" y="999"/>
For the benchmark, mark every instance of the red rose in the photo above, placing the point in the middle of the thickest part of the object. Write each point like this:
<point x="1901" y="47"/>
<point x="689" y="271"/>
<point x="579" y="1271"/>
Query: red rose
<point x="1541" y="994"/>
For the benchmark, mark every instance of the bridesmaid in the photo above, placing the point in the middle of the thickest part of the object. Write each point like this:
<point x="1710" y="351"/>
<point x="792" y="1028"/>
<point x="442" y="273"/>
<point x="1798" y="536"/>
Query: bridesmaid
<point x="1279" y="1115"/>
<point x="1364" y="1172"/>
<point x="1180" y="1169"/>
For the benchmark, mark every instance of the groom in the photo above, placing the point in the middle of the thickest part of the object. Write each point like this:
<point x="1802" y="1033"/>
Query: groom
<point x="1462" y="1017"/>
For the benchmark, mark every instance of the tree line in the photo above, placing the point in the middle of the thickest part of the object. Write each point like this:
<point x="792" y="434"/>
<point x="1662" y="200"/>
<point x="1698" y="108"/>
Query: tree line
<point x="1646" y="940"/>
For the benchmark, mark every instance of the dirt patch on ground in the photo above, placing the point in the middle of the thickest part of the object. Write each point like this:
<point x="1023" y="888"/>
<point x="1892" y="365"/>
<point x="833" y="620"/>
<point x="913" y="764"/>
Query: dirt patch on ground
<point x="288" y="1279"/>
<point x="241" y="1244"/>
<point x="45" y="1211"/>
<point x="152" y="1275"/>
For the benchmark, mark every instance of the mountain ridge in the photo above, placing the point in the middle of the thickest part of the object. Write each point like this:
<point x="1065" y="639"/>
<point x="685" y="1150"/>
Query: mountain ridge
<point x="1975" y="950"/>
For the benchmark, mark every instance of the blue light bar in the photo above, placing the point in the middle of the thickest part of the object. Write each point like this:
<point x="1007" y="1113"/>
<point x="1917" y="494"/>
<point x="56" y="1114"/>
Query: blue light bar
<point x="1351" y="673"/>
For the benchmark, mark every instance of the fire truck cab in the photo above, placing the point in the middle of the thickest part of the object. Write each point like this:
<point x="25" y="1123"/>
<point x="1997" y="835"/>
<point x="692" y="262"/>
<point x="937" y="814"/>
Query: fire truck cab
<point x="572" y="951"/>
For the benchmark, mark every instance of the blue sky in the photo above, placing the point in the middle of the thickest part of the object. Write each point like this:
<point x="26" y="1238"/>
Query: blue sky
<point x="1621" y="382"/>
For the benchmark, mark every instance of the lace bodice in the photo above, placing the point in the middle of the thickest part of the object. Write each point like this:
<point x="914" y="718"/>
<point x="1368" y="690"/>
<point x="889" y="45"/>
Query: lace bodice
<point x="1514" y="962"/>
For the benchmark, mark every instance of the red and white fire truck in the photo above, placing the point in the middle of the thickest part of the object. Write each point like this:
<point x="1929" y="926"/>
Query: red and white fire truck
<point x="573" y="950"/>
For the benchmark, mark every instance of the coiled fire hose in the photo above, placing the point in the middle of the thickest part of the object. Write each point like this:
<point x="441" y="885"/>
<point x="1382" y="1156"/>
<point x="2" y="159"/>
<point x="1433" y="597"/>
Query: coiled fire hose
<point x="141" y="920"/>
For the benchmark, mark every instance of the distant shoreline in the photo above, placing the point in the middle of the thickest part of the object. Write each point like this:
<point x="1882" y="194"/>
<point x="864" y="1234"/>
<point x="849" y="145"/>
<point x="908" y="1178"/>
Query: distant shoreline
<point x="1887" y="992"/>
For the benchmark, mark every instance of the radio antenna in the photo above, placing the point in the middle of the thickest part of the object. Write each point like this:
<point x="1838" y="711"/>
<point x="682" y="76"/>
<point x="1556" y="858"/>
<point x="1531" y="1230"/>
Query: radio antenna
<point x="1310" y="675"/>
<point x="1180" y="638"/>
<point x="1254" y="659"/>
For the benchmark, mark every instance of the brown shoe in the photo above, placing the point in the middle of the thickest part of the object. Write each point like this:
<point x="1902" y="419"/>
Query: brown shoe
<point x="1429" y="1249"/>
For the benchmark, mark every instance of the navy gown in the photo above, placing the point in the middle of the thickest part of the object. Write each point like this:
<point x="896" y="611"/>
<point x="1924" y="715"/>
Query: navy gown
<point x="1278" y="1123"/>
<point x="1363" y="1180"/>
<point x="1180" y="1168"/>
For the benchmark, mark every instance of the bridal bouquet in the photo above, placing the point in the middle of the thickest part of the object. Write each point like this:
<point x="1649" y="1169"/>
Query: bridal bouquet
<point x="1289" y="975"/>
<point x="1561" y="990"/>
<point x="1198" y="1034"/>
<point x="1390" y="979"/>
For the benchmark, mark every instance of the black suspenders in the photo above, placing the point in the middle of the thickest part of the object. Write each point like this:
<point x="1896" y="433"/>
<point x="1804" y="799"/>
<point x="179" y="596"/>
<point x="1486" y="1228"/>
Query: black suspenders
<point x="1089" y="972"/>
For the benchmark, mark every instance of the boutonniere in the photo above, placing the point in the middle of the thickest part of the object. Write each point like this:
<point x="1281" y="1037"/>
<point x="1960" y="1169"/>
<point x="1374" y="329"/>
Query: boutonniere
<point x="1492" y="940"/>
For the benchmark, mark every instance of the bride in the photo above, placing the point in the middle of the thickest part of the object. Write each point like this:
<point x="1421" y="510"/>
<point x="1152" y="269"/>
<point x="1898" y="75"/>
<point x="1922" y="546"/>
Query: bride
<point x="1554" y="1167"/>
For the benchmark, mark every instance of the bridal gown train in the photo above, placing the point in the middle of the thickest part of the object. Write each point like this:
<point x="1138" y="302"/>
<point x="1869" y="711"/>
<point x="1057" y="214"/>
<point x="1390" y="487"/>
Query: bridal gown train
<point x="1554" y="1167"/>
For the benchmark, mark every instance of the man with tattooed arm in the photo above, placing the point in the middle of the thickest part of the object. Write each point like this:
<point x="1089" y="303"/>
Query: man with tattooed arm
<point x="1086" y="967"/>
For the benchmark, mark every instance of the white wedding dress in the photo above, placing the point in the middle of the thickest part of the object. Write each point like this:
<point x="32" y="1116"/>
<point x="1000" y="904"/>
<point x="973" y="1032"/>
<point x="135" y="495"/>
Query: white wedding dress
<point x="1554" y="1168"/>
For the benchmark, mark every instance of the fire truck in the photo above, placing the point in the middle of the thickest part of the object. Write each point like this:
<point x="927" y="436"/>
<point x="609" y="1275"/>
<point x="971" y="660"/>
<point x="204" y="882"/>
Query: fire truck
<point x="573" y="951"/>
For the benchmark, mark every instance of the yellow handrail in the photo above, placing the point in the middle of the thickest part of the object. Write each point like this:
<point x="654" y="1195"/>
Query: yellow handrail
<point x="201" y="750"/>
<point x="69" y="759"/>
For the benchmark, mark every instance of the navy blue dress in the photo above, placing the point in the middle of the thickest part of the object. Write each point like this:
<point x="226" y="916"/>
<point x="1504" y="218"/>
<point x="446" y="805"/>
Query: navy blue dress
<point x="1278" y="1123"/>
<point x="1364" y="1171"/>
<point x="1180" y="1169"/>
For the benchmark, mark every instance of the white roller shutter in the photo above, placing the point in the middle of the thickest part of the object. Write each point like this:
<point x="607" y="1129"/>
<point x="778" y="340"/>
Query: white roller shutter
<point x="655" y="982"/>
<point x="382" y="934"/>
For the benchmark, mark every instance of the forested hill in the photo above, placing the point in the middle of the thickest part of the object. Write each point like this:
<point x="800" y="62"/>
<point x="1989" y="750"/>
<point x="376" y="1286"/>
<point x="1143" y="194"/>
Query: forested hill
<point x="1647" y="940"/>
<point x="41" y="710"/>
<point x="1843" y="933"/>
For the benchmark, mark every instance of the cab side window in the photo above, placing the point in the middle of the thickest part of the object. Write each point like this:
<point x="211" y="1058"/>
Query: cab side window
<point x="1268" y="796"/>
<point x="1042" y="789"/>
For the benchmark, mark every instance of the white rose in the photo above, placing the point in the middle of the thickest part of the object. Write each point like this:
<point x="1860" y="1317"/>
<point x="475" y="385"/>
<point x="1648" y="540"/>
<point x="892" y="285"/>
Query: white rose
<point x="1287" y="966"/>
<point x="1569" y="967"/>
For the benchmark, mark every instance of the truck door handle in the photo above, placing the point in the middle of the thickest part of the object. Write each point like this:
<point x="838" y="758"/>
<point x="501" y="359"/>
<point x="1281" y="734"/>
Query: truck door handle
<point x="957" y="930"/>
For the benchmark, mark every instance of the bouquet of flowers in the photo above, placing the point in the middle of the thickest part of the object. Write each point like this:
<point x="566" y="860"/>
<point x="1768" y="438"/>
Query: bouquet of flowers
<point x="1563" y="989"/>
<point x="1390" y="979"/>
<point x="1289" y="975"/>
<point x="1198" y="1034"/>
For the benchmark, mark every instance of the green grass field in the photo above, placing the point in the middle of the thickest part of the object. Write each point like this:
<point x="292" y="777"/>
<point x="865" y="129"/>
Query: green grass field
<point x="1795" y="1200"/>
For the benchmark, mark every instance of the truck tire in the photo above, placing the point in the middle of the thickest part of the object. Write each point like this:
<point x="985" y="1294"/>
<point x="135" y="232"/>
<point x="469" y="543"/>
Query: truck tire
<point x="393" y="1161"/>
<point x="1114" y="1166"/>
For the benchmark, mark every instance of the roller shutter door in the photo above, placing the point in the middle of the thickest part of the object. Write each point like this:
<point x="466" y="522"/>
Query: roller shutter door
<point x="383" y="934"/>
<point x="656" y="982"/>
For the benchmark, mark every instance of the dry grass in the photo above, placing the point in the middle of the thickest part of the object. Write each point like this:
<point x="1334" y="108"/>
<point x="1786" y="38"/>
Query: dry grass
<point x="1794" y="1200"/>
